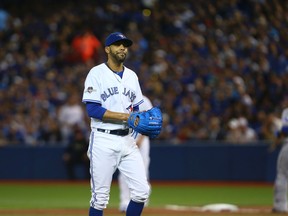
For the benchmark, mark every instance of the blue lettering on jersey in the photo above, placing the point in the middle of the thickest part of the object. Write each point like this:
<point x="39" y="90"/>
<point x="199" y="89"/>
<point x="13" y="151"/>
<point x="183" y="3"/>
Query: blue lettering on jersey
<point x="129" y="94"/>
<point x="111" y="91"/>
<point x="114" y="91"/>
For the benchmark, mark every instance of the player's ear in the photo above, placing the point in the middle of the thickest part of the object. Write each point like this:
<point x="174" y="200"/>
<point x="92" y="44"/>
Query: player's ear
<point x="107" y="49"/>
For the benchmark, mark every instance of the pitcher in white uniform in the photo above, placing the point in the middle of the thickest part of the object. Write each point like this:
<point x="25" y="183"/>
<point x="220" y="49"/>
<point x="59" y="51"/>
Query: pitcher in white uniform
<point x="111" y="92"/>
<point x="280" y="204"/>
<point x="143" y="143"/>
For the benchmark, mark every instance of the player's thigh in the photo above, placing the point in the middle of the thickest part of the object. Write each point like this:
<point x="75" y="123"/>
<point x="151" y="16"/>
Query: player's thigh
<point x="132" y="167"/>
<point x="103" y="161"/>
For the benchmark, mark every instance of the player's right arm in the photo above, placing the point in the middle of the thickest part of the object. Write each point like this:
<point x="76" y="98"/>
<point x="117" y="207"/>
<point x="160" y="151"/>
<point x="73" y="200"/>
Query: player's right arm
<point x="95" y="110"/>
<point x="109" y="115"/>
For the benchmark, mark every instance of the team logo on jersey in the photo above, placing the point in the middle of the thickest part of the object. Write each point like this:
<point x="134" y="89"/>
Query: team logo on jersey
<point x="130" y="108"/>
<point x="90" y="89"/>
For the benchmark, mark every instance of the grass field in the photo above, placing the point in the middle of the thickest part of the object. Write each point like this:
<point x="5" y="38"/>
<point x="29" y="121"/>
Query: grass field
<point x="72" y="198"/>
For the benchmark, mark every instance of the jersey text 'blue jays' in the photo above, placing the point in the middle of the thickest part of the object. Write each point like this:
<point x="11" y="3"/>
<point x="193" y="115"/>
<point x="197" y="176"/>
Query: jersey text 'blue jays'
<point x="114" y="90"/>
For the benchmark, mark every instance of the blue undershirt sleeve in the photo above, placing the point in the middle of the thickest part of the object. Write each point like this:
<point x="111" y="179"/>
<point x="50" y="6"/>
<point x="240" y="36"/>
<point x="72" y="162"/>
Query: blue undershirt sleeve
<point x="95" y="110"/>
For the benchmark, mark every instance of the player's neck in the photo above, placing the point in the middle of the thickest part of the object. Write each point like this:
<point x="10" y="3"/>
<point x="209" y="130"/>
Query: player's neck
<point x="115" y="67"/>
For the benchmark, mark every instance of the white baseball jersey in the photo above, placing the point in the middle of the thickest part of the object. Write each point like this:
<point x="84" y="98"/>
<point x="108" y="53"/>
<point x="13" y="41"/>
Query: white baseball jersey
<point x="105" y="87"/>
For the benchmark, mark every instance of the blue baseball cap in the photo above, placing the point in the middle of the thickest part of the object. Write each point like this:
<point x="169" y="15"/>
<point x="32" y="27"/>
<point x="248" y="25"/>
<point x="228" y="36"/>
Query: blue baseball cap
<point x="118" y="36"/>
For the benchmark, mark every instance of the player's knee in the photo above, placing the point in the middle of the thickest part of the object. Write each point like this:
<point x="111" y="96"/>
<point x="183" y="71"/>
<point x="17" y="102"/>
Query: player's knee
<point x="141" y="196"/>
<point x="99" y="201"/>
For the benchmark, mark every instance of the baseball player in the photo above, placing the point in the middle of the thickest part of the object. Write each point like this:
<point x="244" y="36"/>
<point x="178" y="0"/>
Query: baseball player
<point x="280" y="184"/>
<point x="111" y="93"/>
<point x="143" y="143"/>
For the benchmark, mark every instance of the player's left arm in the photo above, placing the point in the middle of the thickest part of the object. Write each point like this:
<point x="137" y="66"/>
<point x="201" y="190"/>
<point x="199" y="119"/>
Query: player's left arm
<point x="138" y="100"/>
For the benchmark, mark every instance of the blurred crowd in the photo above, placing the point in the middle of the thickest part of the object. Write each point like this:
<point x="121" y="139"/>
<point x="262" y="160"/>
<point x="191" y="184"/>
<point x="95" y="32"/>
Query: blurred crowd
<point x="217" y="69"/>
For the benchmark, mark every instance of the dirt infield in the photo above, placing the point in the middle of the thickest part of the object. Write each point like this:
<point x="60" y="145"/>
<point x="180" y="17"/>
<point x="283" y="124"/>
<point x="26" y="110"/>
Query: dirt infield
<point x="252" y="211"/>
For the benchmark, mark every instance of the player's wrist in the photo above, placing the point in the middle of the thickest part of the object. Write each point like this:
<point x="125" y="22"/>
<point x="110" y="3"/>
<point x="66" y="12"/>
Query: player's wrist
<point x="125" y="117"/>
<point x="118" y="116"/>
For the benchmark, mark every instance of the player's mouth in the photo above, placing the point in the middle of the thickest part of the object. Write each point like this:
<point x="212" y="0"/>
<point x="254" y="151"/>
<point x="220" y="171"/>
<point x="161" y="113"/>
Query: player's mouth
<point x="122" y="54"/>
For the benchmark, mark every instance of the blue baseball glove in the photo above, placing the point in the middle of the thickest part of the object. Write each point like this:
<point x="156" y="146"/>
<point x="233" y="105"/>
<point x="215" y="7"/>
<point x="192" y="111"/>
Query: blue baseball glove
<point x="148" y="123"/>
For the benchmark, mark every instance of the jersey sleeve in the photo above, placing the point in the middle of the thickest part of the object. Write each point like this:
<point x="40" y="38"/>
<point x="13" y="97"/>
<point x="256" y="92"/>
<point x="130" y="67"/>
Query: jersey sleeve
<point x="146" y="105"/>
<point x="91" y="89"/>
<point x="139" y="97"/>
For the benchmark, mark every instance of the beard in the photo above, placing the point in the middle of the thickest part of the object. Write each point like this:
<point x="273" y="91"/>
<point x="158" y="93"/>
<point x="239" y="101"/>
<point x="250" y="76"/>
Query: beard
<point x="118" y="57"/>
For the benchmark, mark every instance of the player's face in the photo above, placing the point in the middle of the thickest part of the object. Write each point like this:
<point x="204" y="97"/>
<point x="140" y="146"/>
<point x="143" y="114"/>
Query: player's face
<point x="118" y="52"/>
